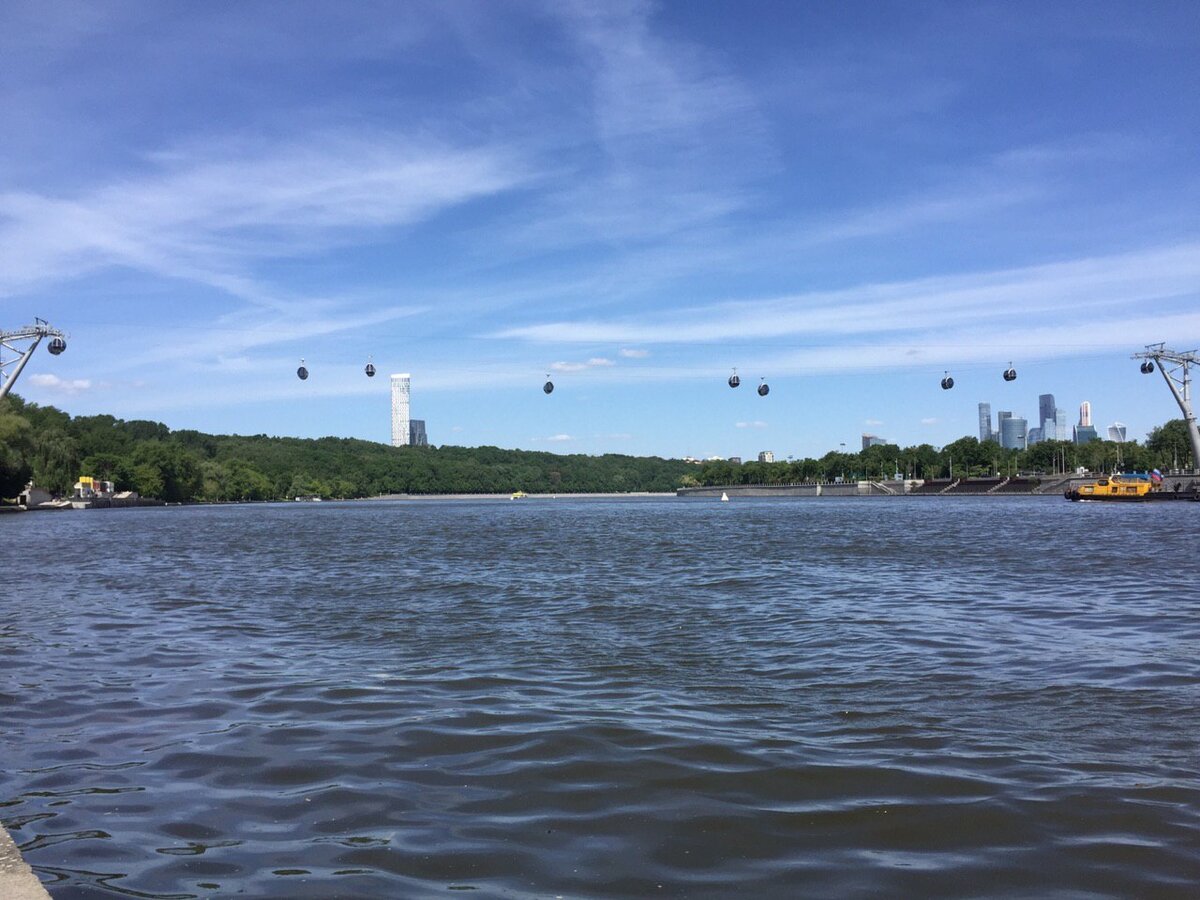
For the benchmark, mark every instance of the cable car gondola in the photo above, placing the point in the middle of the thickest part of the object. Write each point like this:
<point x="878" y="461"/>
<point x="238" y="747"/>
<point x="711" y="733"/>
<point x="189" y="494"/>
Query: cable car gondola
<point x="57" y="346"/>
<point x="302" y="372"/>
<point x="764" y="388"/>
<point x="1010" y="374"/>
<point x="1147" y="367"/>
<point x="548" y="387"/>
<point x="734" y="381"/>
<point x="947" y="382"/>
<point x="370" y="369"/>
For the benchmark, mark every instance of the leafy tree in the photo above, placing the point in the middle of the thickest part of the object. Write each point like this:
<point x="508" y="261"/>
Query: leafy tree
<point x="178" y="471"/>
<point x="148" y="480"/>
<point x="1170" y="445"/>
<point x="16" y="449"/>
<point x="55" y="460"/>
<point x="241" y="481"/>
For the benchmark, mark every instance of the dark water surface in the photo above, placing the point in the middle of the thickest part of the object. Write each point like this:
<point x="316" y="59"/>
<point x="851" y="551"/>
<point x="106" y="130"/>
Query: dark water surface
<point x="669" y="698"/>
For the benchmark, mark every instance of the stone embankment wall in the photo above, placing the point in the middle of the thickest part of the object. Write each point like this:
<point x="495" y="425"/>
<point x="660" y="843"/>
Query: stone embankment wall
<point x="1052" y="486"/>
<point x="17" y="881"/>
<point x="845" y="489"/>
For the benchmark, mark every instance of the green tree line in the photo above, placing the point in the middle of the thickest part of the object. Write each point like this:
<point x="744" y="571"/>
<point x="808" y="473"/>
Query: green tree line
<point x="53" y="449"/>
<point x="1165" y="448"/>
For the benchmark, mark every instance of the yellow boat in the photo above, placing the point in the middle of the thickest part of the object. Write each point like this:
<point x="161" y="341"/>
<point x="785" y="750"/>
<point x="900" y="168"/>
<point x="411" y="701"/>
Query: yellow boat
<point x="1115" y="487"/>
<point x="518" y="495"/>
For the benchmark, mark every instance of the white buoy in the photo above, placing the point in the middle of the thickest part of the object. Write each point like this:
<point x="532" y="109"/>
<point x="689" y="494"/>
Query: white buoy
<point x="724" y="497"/>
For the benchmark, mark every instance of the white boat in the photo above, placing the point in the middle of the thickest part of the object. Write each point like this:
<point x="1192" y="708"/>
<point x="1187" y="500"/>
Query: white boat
<point x="724" y="497"/>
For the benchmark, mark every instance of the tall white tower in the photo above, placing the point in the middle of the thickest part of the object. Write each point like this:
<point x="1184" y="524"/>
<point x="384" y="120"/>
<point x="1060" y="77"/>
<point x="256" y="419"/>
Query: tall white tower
<point x="1085" y="414"/>
<point x="400" y="410"/>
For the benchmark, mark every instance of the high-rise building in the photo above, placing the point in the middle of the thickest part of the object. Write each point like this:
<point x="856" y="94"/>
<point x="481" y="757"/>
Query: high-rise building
<point x="766" y="456"/>
<point x="1002" y="416"/>
<point x="1046" y="409"/>
<point x="1052" y="423"/>
<point x="416" y="433"/>
<point x="401" y="436"/>
<point x="985" y="423"/>
<point x="1116" y="432"/>
<point x="1084" y="432"/>
<point x="1060" y="424"/>
<point x="1035" y="436"/>
<point x="870" y="440"/>
<point x="1013" y="432"/>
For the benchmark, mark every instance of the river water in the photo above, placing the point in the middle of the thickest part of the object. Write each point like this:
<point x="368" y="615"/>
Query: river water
<point x="605" y="698"/>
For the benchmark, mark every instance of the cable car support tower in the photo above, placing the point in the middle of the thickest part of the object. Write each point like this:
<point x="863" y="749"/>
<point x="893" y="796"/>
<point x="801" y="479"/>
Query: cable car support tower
<point x="1176" y="371"/>
<point x="12" y="341"/>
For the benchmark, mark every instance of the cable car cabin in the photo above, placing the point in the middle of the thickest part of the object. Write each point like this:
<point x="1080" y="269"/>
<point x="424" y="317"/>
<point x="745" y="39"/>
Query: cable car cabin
<point x="763" y="389"/>
<point x="370" y="370"/>
<point x="548" y="387"/>
<point x="1010" y="374"/>
<point x="734" y="381"/>
<point x="57" y="346"/>
<point x="1123" y="488"/>
<point x="947" y="383"/>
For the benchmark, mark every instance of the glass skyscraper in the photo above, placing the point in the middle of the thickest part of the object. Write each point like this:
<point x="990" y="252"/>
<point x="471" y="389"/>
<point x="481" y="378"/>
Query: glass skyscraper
<point x="1012" y="432"/>
<point x="1046" y="409"/>
<point x="985" y="422"/>
<point x="416" y="433"/>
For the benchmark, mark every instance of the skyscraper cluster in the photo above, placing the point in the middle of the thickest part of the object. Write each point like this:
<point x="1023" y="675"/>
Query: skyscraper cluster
<point x="1013" y="432"/>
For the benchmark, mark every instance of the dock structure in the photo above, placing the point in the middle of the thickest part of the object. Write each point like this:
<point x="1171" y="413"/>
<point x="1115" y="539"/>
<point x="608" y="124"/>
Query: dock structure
<point x="17" y="881"/>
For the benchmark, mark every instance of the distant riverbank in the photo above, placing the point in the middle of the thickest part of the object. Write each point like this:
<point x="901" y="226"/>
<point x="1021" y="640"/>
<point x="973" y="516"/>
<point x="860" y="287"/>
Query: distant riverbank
<point x="632" y="495"/>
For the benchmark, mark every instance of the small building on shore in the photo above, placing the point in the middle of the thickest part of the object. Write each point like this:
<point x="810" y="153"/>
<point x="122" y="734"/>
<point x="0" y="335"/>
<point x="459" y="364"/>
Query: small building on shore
<point x="33" y="496"/>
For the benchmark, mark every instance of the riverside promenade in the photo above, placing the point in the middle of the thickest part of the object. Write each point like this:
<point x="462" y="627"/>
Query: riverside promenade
<point x="1184" y="486"/>
<point x="17" y="881"/>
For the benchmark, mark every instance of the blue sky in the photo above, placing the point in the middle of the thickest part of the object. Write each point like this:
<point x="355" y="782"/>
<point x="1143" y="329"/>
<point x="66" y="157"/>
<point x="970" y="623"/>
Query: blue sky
<point x="844" y="199"/>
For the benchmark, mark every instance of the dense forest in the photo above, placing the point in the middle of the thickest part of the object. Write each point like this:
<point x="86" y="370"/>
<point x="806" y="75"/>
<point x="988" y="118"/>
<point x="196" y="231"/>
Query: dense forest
<point x="53" y="449"/>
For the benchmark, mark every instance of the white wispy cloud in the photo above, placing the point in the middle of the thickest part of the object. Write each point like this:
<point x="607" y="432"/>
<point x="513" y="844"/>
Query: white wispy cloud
<point x="208" y="214"/>
<point x="60" y="385"/>
<point x="632" y="353"/>
<point x="755" y="424"/>
<point x="596" y="362"/>
<point x="681" y="137"/>
<point x="981" y="303"/>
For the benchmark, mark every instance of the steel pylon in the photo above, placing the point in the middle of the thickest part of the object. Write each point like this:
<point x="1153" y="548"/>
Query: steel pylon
<point x="15" y="342"/>
<point x="1176" y="371"/>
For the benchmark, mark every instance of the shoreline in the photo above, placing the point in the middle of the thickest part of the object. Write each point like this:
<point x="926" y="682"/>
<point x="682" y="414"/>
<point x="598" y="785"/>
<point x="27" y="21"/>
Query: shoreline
<point x="17" y="880"/>
<point x="621" y="495"/>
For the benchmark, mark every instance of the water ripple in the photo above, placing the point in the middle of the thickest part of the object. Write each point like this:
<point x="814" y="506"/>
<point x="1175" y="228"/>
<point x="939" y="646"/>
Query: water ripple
<point x="605" y="699"/>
